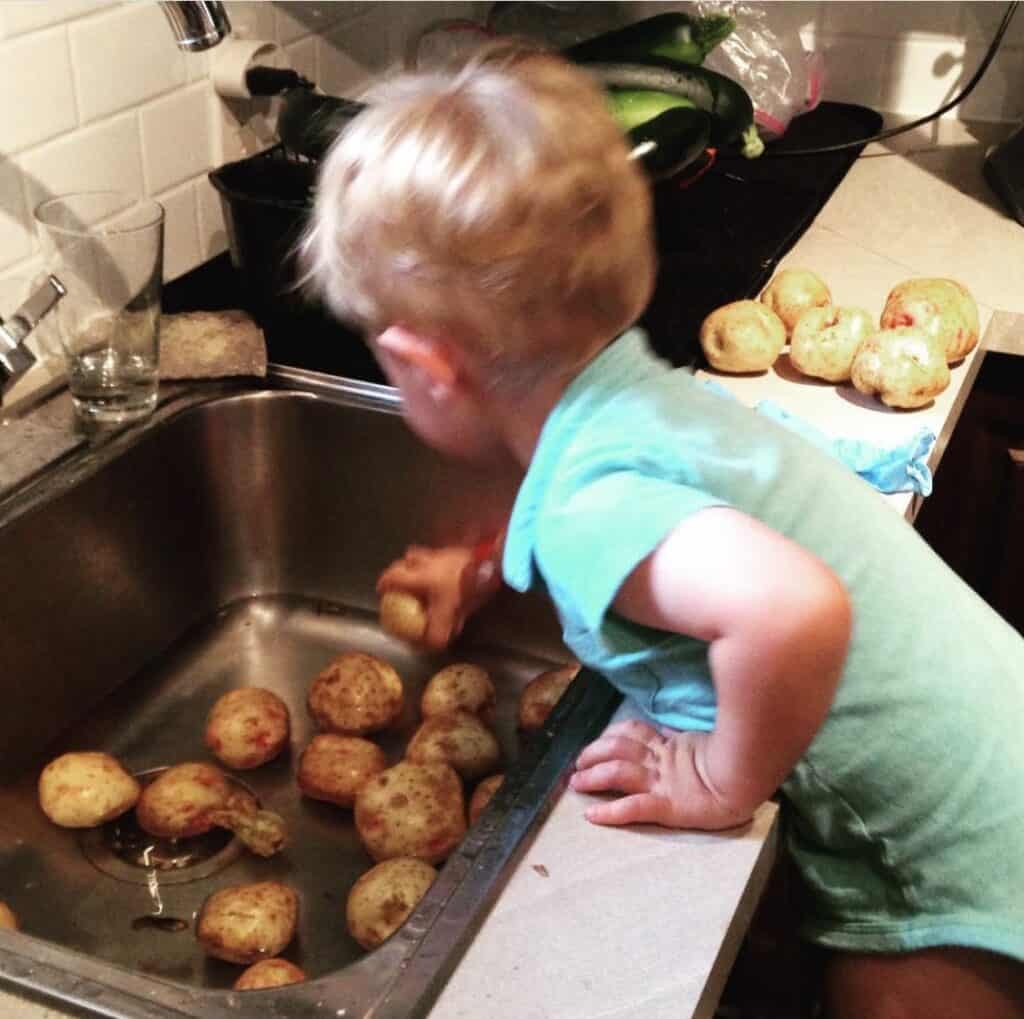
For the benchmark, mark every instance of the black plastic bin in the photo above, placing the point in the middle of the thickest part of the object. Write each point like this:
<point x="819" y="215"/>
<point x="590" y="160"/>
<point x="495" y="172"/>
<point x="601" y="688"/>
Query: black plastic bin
<point x="266" y="200"/>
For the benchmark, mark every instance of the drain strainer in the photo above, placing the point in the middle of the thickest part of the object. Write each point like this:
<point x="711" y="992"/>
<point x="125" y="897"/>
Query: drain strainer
<point x="122" y="849"/>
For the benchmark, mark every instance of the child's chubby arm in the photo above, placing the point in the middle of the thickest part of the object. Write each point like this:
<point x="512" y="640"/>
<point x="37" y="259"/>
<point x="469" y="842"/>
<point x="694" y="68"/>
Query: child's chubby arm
<point x="452" y="582"/>
<point x="778" y="623"/>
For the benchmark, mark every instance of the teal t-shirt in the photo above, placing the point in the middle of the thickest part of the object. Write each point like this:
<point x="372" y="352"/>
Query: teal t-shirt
<point x="907" y="811"/>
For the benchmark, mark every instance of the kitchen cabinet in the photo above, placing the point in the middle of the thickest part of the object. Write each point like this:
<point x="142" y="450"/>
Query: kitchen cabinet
<point x="974" y="518"/>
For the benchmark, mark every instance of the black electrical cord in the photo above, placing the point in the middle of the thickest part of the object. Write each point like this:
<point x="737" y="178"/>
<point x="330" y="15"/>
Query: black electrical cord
<point x="892" y="131"/>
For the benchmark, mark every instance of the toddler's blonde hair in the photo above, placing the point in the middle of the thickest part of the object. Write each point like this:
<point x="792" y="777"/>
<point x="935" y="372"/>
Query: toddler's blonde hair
<point x="495" y="206"/>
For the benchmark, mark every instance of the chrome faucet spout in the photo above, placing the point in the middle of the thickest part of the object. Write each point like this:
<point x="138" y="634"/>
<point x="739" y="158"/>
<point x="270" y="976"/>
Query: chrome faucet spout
<point x="197" y="24"/>
<point x="15" y="357"/>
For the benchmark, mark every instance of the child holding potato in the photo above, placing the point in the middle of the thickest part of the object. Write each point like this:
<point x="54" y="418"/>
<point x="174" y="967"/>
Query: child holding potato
<point x="780" y="626"/>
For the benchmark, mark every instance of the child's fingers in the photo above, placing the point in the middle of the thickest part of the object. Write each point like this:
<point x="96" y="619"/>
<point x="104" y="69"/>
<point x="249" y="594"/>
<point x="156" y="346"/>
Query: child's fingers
<point x="640" y="808"/>
<point x="615" y="746"/>
<point x="613" y="776"/>
<point x="635" y="729"/>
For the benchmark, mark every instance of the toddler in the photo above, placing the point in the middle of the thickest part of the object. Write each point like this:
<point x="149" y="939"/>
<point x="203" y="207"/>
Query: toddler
<point x="779" y="625"/>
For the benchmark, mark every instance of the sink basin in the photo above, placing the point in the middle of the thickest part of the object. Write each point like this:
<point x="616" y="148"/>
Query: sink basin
<point x="235" y="539"/>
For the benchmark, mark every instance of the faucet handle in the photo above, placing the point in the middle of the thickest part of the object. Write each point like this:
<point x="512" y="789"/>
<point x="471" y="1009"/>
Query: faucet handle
<point x="15" y="358"/>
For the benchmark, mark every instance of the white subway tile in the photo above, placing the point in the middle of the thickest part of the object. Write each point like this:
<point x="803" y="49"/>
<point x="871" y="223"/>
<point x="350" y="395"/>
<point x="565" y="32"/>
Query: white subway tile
<point x="94" y="158"/>
<point x="177" y="137"/>
<point x="301" y="18"/>
<point x="884" y="20"/>
<point x="18" y="16"/>
<point x="17" y="238"/>
<point x="252" y="19"/>
<point x="1000" y="93"/>
<point x="848" y="77"/>
<point x="181" y="231"/>
<point x="923" y="74"/>
<point x="213" y="235"/>
<point x="981" y="19"/>
<point x="35" y="83"/>
<point x="122" y="58"/>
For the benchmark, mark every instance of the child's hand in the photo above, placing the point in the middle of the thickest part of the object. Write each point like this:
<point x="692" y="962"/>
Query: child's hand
<point x="452" y="583"/>
<point x="660" y="774"/>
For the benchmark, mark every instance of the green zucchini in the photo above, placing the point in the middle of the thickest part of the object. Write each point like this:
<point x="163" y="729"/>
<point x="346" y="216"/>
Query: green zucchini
<point x="631" y="107"/>
<point x="674" y="35"/>
<point x="726" y="100"/>
<point x="671" y="141"/>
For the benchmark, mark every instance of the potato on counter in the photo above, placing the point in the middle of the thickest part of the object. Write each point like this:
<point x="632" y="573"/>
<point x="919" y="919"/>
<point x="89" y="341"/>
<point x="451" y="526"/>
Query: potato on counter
<point x="457" y="738"/>
<point x="356" y="694"/>
<point x="83" y="789"/>
<point x="825" y="341"/>
<point x="267" y="973"/>
<point x="411" y="810"/>
<point x="744" y="336"/>
<point x="179" y="801"/>
<point x="8" y="918"/>
<point x="482" y="795"/>
<point x="542" y="693"/>
<point x="904" y="367"/>
<point x="334" y="767"/>
<point x="791" y="292"/>
<point x="403" y="615"/>
<point x="247" y="727"/>
<point x="460" y="687"/>
<point x="246" y="923"/>
<point x="941" y="307"/>
<point x="382" y="899"/>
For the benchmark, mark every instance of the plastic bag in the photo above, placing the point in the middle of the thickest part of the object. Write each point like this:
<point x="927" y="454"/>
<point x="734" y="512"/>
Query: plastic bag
<point x="766" y="55"/>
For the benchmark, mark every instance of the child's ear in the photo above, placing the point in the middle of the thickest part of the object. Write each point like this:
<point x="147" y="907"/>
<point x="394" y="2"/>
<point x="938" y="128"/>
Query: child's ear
<point x="433" y="358"/>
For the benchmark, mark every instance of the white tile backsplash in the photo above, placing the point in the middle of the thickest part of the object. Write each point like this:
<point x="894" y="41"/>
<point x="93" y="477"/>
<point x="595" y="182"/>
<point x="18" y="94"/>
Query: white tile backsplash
<point x="95" y="93"/>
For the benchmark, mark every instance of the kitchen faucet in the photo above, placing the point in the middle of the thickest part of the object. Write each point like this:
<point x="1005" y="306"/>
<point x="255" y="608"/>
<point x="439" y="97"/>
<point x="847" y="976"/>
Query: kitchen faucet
<point x="15" y="357"/>
<point x="197" y="24"/>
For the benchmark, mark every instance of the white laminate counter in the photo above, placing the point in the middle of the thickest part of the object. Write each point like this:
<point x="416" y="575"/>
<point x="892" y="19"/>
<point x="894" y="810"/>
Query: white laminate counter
<point x="623" y="923"/>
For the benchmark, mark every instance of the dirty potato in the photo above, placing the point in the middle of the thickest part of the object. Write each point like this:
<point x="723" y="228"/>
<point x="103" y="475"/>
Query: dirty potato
<point x="482" y="795"/>
<point x="743" y="336"/>
<point x="411" y="810"/>
<point x="178" y="803"/>
<point x="247" y="727"/>
<point x="335" y="767"/>
<point x="542" y="693"/>
<point x="791" y="292"/>
<point x="825" y="341"/>
<point x="904" y="367"/>
<point x="458" y="738"/>
<point x="83" y="789"/>
<point x="8" y="918"/>
<point x="246" y="923"/>
<point x="942" y="307"/>
<point x="383" y="897"/>
<point x="263" y="832"/>
<point x="356" y="694"/>
<point x="403" y="615"/>
<point x="267" y="973"/>
<point x="460" y="687"/>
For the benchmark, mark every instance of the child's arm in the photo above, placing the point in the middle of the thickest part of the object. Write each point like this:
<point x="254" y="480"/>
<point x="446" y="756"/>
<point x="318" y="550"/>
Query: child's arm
<point x="453" y="582"/>
<point x="778" y="624"/>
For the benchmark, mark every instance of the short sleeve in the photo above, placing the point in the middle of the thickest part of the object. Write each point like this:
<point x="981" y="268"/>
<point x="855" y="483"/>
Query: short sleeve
<point x="587" y="548"/>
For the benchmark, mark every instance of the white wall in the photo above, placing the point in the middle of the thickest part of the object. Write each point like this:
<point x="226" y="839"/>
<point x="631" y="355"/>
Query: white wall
<point x="94" y="93"/>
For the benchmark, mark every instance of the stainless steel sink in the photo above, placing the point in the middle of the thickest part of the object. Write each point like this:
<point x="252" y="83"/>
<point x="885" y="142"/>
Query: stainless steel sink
<point x="235" y="539"/>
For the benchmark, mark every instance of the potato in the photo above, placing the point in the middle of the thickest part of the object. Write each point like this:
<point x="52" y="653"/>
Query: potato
<point x="246" y="923"/>
<point x="482" y="795"/>
<point x="904" y="367"/>
<point x="411" y="810"/>
<point x="263" y="831"/>
<point x="791" y="292"/>
<point x="267" y="973"/>
<point x="356" y="694"/>
<point x="86" y="788"/>
<point x="744" y="336"/>
<point x="460" y="687"/>
<point x="334" y="767"/>
<point x="247" y="727"/>
<point x="179" y="801"/>
<point x="8" y="918"/>
<point x="383" y="897"/>
<point x="825" y="341"/>
<point x="541" y="694"/>
<point x="941" y="307"/>
<point x="403" y="615"/>
<point x="459" y="739"/>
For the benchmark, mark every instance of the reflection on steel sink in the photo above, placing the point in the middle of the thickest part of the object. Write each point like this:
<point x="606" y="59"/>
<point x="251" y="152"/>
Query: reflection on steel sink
<point x="235" y="539"/>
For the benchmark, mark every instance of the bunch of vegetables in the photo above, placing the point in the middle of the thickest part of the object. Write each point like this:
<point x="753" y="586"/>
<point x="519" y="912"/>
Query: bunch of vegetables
<point x="670" y="106"/>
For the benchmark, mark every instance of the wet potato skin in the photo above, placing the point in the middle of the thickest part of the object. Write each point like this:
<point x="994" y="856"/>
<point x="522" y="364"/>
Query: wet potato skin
<point x="402" y="614"/>
<point x="383" y="897"/>
<point x="457" y="738"/>
<point x="83" y="789"/>
<point x="541" y="694"/>
<point x="268" y="973"/>
<point x="743" y="336"/>
<point x="942" y="307"/>
<point x="792" y="291"/>
<point x="179" y="801"/>
<point x="460" y="686"/>
<point x="356" y="694"/>
<point x="482" y="795"/>
<point x="249" y="922"/>
<point x="247" y="727"/>
<point x="334" y="767"/>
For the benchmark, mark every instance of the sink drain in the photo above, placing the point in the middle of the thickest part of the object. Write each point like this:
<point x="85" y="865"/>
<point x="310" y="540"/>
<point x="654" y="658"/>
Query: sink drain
<point x="122" y="849"/>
